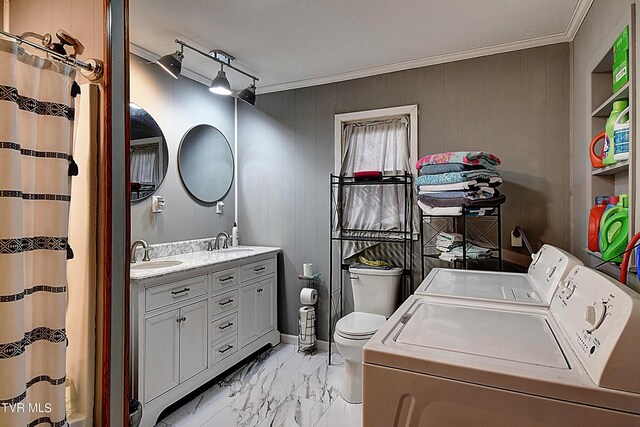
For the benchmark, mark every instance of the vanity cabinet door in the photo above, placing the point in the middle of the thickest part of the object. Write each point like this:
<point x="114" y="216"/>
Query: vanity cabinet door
<point x="193" y="339"/>
<point x="248" y="298"/>
<point x="264" y="307"/>
<point x="256" y="310"/>
<point x="161" y="354"/>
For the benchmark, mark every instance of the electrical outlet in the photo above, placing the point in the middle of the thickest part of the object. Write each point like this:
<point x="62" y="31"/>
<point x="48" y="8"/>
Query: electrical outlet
<point x="157" y="204"/>
<point x="516" y="239"/>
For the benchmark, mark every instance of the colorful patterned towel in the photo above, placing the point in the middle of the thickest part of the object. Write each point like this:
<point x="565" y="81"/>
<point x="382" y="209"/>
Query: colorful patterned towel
<point x="452" y="167"/>
<point x="455" y="177"/>
<point x="464" y="157"/>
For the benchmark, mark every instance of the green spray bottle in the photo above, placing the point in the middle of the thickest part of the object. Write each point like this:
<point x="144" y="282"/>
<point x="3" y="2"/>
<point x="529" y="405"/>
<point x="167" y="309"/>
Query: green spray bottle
<point x="608" y="151"/>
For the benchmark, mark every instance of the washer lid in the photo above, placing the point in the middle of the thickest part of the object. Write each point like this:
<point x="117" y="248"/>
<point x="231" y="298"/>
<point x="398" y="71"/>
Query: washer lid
<point x="523" y="337"/>
<point x="481" y="285"/>
<point x="359" y="324"/>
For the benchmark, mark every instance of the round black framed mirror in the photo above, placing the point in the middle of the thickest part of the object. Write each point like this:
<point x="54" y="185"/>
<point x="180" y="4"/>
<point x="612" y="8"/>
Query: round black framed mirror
<point x="205" y="163"/>
<point x="148" y="154"/>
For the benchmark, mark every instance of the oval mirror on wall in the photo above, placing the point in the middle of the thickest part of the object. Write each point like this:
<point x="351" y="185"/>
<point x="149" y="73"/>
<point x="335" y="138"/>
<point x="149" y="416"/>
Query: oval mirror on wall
<point x="205" y="162"/>
<point x="148" y="155"/>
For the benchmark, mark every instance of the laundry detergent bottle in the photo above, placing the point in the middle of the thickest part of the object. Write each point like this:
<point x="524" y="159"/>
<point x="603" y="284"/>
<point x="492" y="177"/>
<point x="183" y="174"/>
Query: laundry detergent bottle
<point x="621" y="136"/>
<point x="609" y="149"/>
<point x="614" y="231"/>
<point x="595" y="215"/>
<point x="611" y="208"/>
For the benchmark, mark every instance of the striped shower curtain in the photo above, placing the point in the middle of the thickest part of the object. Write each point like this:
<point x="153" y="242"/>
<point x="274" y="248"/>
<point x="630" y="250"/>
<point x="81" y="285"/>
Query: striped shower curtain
<point x="36" y="130"/>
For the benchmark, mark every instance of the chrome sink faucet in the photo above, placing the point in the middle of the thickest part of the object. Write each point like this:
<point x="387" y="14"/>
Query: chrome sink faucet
<point x="216" y="244"/>
<point x="145" y="247"/>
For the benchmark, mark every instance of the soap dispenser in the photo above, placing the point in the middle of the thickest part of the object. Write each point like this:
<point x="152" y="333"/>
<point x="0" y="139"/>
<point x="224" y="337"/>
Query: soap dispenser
<point x="234" y="235"/>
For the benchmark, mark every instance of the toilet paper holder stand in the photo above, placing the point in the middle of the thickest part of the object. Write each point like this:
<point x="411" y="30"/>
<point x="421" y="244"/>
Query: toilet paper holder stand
<point x="307" y="338"/>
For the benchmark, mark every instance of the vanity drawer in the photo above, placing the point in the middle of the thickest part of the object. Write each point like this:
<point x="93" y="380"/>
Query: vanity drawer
<point x="225" y="279"/>
<point x="257" y="269"/>
<point x="224" y="348"/>
<point x="223" y="327"/>
<point x="223" y="303"/>
<point x="163" y="295"/>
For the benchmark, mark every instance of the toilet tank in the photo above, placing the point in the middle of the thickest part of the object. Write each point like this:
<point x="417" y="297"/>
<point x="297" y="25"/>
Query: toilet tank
<point x="375" y="290"/>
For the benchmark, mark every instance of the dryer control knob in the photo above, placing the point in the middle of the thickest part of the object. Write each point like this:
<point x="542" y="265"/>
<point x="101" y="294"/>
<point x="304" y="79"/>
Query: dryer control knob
<point x="567" y="288"/>
<point x="550" y="271"/>
<point x="590" y="315"/>
<point x="594" y="315"/>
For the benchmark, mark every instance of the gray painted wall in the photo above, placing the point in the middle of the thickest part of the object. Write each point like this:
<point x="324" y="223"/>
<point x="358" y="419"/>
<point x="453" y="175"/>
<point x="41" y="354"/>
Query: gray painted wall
<point x="603" y="18"/>
<point x="515" y="105"/>
<point x="177" y="106"/>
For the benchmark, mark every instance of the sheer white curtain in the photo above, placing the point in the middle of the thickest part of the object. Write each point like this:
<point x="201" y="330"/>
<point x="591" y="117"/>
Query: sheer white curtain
<point x="36" y="128"/>
<point x="376" y="145"/>
<point x="144" y="165"/>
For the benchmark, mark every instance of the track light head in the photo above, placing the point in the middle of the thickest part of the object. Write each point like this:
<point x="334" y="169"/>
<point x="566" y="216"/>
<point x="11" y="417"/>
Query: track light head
<point x="220" y="85"/>
<point x="248" y="94"/>
<point x="172" y="63"/>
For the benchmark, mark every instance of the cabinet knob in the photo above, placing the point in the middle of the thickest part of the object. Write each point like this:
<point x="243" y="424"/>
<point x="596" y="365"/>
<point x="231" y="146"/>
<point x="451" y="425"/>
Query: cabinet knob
<point x="260" y="290"/>
<point x="181" y="319"/>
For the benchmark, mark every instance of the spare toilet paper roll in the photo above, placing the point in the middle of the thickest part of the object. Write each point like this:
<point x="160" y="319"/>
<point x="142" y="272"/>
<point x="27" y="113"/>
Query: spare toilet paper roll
<point x="308" y="296"/>
<point x="307" y="331"/>
<point x="307" y="270"/>
<point x="307" y="317"/>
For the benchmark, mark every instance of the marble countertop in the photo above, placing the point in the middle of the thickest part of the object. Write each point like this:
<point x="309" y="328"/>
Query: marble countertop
<point x="193" y="260"/>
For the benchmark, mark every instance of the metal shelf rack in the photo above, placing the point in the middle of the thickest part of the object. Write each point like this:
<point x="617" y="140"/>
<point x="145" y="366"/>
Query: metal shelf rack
<point x="463" y="224"/>
<point x="339" y="235"/>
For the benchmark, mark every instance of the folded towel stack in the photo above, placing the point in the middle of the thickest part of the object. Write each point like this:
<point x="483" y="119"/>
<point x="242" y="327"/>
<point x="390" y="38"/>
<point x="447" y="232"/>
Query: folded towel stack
<point x="450" y="181"/>
<point x="447" y="241"/>
<point x="450" y="247"/>
<point x="473" y="252"/>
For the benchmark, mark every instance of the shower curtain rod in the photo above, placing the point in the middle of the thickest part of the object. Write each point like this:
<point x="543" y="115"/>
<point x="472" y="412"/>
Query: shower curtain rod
<point x="92" y="69"/>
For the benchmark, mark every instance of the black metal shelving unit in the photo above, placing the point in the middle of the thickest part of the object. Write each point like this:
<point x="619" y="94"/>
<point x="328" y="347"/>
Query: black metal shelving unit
<point x="463" y="224"/>
<point x="339" y="235"/>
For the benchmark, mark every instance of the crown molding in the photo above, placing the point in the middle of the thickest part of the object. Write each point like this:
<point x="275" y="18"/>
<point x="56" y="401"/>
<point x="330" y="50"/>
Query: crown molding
<point x="424" y="62"/>
<point x="579" y="14"/>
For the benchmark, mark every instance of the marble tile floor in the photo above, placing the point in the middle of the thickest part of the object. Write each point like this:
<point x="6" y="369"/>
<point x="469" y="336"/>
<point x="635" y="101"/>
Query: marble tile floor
<point x="277" y="388"/>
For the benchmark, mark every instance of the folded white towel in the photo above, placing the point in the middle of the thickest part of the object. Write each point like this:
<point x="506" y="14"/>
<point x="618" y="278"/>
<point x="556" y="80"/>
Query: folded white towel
<point x="452" y="211"/>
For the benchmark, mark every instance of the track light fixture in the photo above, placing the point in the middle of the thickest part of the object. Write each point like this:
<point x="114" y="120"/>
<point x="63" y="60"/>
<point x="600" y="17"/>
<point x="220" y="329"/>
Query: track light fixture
<point x="172" y="64"/>
<point x="220" y="84"/>
<point x="248" y="94"/>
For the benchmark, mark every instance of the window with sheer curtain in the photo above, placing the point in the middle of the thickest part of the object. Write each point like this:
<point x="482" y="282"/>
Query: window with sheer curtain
<point x="380" y="145"/>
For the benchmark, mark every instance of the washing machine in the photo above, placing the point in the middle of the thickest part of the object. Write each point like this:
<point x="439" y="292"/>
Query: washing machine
<point x="459" y="362"/>
<point x="549" y="266"/>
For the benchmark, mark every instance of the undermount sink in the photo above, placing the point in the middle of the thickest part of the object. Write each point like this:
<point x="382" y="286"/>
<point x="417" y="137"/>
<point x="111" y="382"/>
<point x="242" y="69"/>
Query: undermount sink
<point x="144" y="265"/>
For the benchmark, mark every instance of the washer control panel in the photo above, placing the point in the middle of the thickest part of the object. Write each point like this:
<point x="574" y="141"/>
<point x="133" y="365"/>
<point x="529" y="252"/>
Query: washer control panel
<point x="549" y="267"/>
<point x="599" y="317"/>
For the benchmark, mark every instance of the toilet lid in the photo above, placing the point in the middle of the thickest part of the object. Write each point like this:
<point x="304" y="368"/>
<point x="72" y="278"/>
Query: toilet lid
<point x="358" y="324"/>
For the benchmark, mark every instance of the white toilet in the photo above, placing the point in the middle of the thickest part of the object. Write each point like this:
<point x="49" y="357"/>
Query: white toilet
<point x="375" y="297"/>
